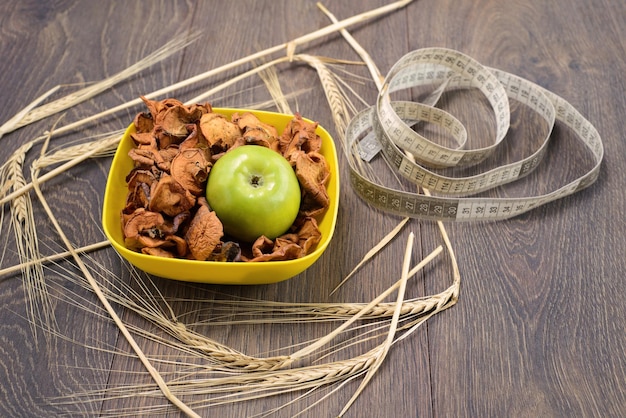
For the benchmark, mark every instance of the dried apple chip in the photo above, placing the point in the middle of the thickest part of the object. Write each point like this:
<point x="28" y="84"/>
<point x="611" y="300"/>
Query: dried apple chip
<point x="166" y="213"/>
<point x="141" y="223"/>
<point x="255" y="132"/>
<point x="282" y="248"/>
<point x="190" y="169"/>
<point x="170" y="197"/>
<point x="309" y="234"/>
<point x="143" y="122"/>
<point x="313" y="172"/>
<point x="219" y="132"/>
<point x="227" y="251"/>
<point x="299" y="135"/>
<point x="204" y="234"/>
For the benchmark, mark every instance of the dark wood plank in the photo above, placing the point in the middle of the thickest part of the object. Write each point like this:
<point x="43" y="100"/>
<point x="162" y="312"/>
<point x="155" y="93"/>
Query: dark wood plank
<point x="539" y="328"/>
<point x="43" y="45"/>
<point x="538" y="331"/>
<point x="315" y="284"/>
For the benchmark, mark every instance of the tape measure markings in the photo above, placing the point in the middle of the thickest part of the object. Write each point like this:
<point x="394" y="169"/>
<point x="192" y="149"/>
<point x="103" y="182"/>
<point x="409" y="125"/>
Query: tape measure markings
<point x="389" y="122"/>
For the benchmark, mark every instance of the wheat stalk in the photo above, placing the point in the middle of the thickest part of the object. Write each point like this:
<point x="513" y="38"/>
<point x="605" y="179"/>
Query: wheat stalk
<point x="254" y="383"/>
<point x="23" y="224"/>
<point x="272" y="83"/>
<point x="373" y="251"/>
<point x="98" y="291"/>
<point x="337" y="100"/>
<point x="377" y="77"/>
<point x="393" y="326"/>
<point x="284" y="361"/>
<point x="256" y="376"/>
<point x="232" y="359"/>
<point x="12" y="124"/>
<point x="103" y="145"/>
<point x="215" y="391"/>
<point x="142" y="304"/>
<point x="289" y="46"/>
<point x="52" y="258"/>
<point x="432" y="99"/>
<point x="37" y="113"/>
<point x="454" y="289"/>
<point x="93" y="149"/>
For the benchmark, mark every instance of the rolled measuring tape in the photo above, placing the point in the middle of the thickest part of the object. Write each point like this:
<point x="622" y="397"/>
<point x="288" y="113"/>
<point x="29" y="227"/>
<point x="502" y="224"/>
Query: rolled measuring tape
<point x="388" y="127"/>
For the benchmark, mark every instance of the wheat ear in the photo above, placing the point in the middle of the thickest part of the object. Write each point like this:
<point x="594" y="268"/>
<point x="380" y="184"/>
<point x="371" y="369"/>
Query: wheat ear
<point x="433" y="98"/>
<point x="289" y="46"/>
<point x="100" y="147"/>
<point x="101" y="296"/>
<point x="12" y="124"/>
<point x="63" y="103"/>
<point x="252" y="384"/>
<point x="25" y="233"/>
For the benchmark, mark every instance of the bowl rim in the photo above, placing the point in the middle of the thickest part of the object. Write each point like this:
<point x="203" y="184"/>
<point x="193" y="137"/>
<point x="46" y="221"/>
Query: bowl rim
<point x="307" y="260"/>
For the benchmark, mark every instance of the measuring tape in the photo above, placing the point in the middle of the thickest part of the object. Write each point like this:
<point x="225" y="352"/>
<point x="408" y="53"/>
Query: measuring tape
<point x="387" y="127"/>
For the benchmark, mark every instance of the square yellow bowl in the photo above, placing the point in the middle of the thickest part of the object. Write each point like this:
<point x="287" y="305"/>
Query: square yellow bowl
<point x="215" y="271"/>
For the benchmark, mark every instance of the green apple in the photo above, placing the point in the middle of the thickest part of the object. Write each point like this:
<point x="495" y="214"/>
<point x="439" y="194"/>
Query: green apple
<point x="254" y="191"/>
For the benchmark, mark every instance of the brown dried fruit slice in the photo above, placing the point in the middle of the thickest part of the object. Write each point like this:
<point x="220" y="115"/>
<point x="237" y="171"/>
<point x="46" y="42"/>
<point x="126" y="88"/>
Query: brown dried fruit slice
<point x="170" y="197"/>
<point x="228" y="251"/>
<point x="140" y="183"/>
<point x="299" y="135"/>
<point x="143" y="138"/>
<point x="204" y="233"/>
<point x="143" y="122"/>
<point x="282" y="248"/>
<point x="157" y="252"/>
<point x="219" y="132"/>
<point x="313" y="173"/>
<point x="256" y="132"/>
<point x="141" y="223"/>
<point x="309" y="234"/>
<point x="170" y="246"/>
<point x="190" y="169"/>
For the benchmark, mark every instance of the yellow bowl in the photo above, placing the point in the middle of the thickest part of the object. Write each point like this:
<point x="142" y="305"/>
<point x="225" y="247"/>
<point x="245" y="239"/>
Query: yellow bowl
<point x="214" y="271"/>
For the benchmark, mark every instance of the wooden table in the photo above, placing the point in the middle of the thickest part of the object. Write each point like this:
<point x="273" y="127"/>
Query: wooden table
<point x="539" y="327"/>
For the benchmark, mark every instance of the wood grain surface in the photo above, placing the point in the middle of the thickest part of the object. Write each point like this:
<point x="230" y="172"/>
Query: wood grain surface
<point x="540" y="326"/>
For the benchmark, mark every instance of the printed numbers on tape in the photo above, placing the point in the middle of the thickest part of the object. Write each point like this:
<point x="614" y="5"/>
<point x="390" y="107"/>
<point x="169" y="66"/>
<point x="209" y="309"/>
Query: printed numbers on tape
<point x="387" y="128"/>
